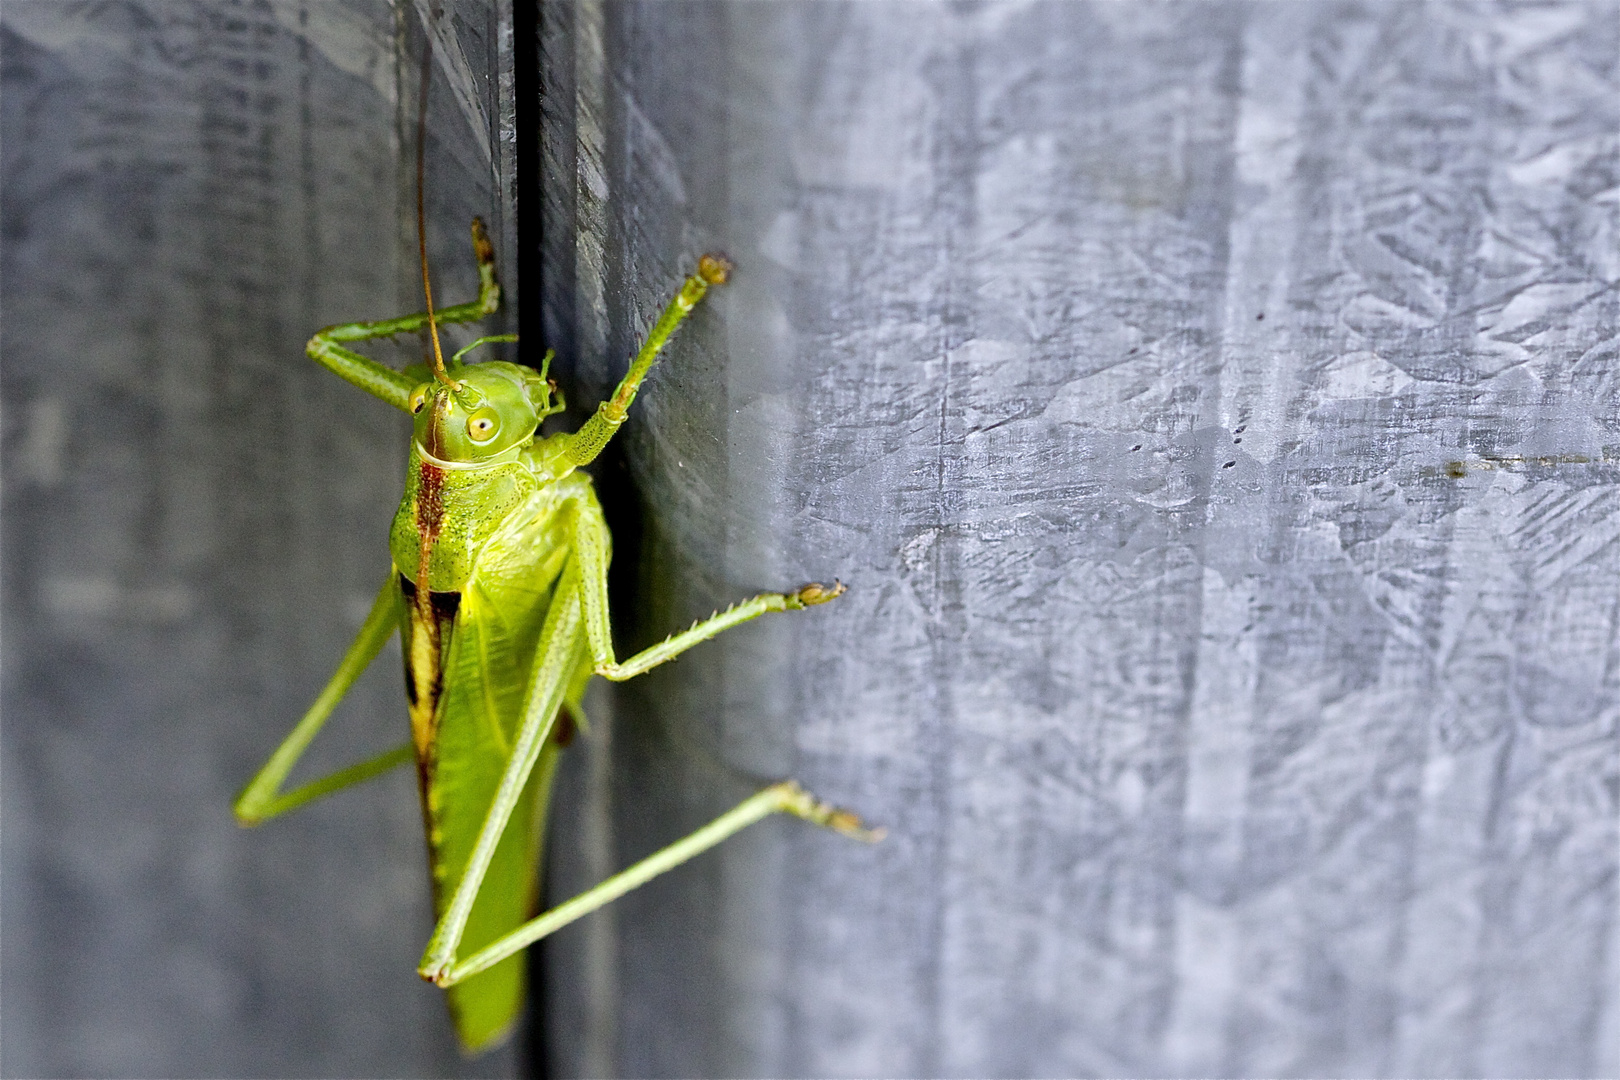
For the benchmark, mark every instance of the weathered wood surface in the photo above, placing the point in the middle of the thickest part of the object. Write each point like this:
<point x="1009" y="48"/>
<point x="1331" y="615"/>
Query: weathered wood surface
<point x="1305" y="764"/>
<point x="1214" y="411"/>
<point x="195" y="521"/>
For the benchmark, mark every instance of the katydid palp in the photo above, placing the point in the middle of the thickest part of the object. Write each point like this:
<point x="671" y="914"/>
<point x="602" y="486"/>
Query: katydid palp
<point x="498" y="589"/>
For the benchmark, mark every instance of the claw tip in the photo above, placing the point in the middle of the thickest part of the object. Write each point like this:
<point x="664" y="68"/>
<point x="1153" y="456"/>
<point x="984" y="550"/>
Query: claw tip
<point x="714" y="269"/>
<point x="482" y="248"/>
<point x="817" y="593"/>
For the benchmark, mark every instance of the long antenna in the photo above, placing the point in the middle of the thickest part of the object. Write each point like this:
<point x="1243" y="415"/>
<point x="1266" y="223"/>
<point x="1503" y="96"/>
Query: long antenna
<point x="421" y="210"/>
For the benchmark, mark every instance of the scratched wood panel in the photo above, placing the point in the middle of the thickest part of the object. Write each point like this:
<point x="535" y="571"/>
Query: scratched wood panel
<point x="195" y="520"/>
<point x="1214" y="411"/>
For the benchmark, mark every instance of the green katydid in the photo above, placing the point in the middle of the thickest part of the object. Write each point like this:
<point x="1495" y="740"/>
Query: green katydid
<point x="499" y="591"/>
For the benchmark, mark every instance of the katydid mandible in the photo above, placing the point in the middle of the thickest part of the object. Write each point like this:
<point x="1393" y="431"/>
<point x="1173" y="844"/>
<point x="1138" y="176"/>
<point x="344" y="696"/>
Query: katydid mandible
<point x="499" y="592"/>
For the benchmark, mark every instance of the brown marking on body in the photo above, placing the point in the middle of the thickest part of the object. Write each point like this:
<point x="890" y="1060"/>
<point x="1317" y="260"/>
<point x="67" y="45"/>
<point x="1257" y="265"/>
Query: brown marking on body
<point x="426" y="640"/>
<point x="563" y="734"/>
<point x="424" y="668"/>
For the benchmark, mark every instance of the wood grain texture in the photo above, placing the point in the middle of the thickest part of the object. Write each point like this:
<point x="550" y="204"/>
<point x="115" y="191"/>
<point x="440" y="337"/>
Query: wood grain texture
<point x="1240" y="692"/>
<point x="1213" y="409"/>
<point x="196" y="518"/>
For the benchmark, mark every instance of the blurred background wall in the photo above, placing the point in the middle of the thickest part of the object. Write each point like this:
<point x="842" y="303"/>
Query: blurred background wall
<point x="194" y="522"/>
<point x="1213" y="408"/>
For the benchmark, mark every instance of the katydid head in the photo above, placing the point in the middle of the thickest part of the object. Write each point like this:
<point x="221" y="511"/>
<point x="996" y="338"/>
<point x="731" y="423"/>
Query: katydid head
<point x="493" y="407"/>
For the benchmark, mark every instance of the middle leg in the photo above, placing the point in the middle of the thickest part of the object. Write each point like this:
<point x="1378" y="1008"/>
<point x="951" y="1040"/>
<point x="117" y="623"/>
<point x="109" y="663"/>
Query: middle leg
<point x="591" y="548"/>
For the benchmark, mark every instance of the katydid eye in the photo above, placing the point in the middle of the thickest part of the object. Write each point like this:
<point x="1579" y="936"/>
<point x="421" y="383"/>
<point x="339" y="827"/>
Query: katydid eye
<point x="419" y="398"/>
<point x="482" y="425"/>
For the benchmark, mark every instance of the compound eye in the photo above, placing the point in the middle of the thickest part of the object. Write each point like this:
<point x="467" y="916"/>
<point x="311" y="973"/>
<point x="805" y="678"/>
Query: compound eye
<point x="419" y="398"/>
<point x="482" y="425"/>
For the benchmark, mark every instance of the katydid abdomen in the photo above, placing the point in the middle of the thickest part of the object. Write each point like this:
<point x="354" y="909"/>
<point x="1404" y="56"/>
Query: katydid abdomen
<point x="503" y="568"/>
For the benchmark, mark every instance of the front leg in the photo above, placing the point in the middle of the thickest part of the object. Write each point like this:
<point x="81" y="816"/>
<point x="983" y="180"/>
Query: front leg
<point x="393" y="386"/>
<point x="588" y="441"/>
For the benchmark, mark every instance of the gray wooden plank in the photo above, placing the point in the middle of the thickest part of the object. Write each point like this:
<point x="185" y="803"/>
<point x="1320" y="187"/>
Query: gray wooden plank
<point x="195" y="519"/>
<point x="1299" y="765"/>
<point x="1213" y="411"/>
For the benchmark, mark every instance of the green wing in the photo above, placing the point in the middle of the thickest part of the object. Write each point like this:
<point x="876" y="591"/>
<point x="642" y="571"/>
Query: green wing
<point x="487" y="668"/>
